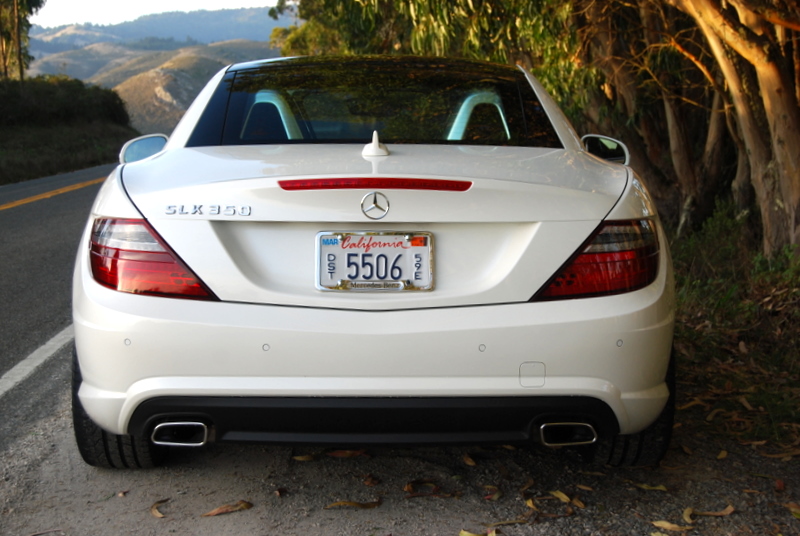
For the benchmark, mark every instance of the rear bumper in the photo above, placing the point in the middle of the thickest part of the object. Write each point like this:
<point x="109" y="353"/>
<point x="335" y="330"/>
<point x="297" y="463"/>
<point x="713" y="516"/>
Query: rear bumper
<point x="373" y="420"/>
<point x="144" y="357"/>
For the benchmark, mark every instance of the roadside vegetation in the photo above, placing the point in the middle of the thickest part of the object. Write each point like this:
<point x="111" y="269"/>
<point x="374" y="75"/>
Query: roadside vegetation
<point x="738" y="334"/>
<point x="55" y="124"/>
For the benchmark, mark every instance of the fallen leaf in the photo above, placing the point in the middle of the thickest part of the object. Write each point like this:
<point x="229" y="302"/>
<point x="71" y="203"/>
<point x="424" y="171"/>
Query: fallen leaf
<point x="788" y="454"/>
<point x="743" y="401"/>
<point x="694" y="402"/>
<point x="229" y="508"/>
<point x="509" y="447"/>
<point x="657" y="534"/>
<point x="722" y="513"/>
<point x="531" y="504"/>
<point x="742" y="348"/>
<point x="666" y="525"/>
<point x="722" y="455"/>
<point x="592" y="473"/>
<point x="714" y="413"/>
<point x="412" y="489"/>
<point x="794" y="508"/>
<point x="347" y="453"/>
<point x="413" y="486"/>
<point x="577" y="502"/>
<point x="686" y="450"/>
<point x="355" y="504"/>
<point x="527" y="485"/>
<point x="584" y="488"/>
<point x="780" y="486"/>
<point x="687" y="515"/>
<point x="648" y="487"/>
<point x="303" y="458"/>
<point x="467" y="533"/>
<point x="154" y="509"/>
<point x="371" y="481"/>
<point x="561" y="496"/>
<point x="468" y="460"/>
<point x="494" y="493"/>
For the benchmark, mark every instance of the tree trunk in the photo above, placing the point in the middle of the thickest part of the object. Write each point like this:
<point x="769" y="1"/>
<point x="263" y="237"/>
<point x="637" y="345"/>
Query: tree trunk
<point x="18" y="37"/>
<point x="4" y="56"/>
<point x="773" y="155"/>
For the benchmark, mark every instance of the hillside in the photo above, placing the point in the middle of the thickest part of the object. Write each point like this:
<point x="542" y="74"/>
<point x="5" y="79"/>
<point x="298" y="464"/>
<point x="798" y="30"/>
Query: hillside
<point x="253" y="24"/>
<point x="84" y="63"/>
<point x="158" y="87"/>
<point x="152" y="63"/>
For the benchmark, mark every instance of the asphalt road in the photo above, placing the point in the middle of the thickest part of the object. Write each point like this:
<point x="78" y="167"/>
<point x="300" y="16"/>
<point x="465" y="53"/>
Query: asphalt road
<point x="38" y="243"/>
<point x="45" y="488"/>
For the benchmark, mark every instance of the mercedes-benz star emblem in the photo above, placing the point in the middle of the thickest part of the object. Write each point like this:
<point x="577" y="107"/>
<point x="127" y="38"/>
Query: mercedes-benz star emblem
<point x="375" y="205"/>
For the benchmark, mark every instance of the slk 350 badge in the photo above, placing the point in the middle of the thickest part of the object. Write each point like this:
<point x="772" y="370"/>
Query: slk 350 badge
<point x="210" y="210"/>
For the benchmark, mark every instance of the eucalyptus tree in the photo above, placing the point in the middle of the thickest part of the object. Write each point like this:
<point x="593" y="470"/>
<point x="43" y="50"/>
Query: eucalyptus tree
<point x="756" y="45"/>
<point x="14" y="27"/>
<point x="705" y="92"/>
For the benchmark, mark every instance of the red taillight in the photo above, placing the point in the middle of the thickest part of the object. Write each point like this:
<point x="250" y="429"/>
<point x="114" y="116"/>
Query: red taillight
<point x="622" y="256"/>
<point x="129" y="256"/>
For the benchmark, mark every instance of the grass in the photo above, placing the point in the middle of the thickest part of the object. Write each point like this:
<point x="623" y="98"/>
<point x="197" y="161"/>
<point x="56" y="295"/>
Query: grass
<point x="29" y="152"/>
<point x="738" y="333"/>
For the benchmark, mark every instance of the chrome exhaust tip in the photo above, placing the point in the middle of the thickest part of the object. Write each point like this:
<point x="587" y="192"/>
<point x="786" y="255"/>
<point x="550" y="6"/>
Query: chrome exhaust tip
<point x="180" y="434"/>
<point x="567" y="434"/>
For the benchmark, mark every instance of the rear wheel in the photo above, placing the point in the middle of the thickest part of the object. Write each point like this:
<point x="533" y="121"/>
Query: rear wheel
<point x="102" y="449"/>
<point x="645" y="448"/>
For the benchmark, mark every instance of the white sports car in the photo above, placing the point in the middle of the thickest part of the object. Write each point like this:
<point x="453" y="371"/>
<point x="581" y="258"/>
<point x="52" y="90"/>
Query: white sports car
<point x="373" y="250"/>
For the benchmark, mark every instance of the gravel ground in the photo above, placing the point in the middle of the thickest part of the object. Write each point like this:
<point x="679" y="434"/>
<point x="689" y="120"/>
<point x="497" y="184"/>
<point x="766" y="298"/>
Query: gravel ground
<point x="46" y="487"/>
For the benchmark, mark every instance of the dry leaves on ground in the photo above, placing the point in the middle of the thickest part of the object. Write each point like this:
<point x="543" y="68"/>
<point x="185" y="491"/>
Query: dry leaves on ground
<point x="154" y="511"/>
<point x="354" y="504"/>
<point x="228" y="508"/>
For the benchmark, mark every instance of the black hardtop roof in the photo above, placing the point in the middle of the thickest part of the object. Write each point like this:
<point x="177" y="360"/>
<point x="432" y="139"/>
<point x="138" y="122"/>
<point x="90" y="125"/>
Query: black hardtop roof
<point x="426" y="62"/>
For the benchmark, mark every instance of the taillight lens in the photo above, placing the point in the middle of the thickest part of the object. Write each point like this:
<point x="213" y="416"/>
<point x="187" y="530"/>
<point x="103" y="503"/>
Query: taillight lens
<point x="129" y="256"/>
<point x="622" y="256"/>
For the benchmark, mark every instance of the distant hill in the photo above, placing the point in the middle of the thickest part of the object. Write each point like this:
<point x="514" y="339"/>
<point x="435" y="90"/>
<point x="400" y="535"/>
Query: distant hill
<point x="156" y="63"/>
<point x="157" y="95"/>
<point x="253" y="24"/>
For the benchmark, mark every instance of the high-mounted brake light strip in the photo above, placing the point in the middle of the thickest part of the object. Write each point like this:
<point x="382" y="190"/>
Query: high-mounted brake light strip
<point x="374" y="183"/>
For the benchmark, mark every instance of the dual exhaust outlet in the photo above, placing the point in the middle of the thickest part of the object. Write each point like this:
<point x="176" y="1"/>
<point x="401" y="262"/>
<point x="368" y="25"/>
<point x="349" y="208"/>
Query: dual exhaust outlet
<point x="195" y="434"/>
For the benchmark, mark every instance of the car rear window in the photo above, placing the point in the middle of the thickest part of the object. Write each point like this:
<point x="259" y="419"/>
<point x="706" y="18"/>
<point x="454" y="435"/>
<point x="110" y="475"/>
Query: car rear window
<point x="405" y="101"/>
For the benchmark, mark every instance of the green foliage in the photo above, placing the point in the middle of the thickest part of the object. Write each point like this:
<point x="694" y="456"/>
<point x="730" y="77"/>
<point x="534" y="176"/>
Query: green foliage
<point x="50" y="100"/>
<point x="50" y="125"/>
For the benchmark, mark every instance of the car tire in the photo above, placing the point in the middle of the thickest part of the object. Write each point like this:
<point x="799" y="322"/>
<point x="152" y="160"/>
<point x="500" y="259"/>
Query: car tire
<point x="103" y="449"/>
<point x="642" y="449"/>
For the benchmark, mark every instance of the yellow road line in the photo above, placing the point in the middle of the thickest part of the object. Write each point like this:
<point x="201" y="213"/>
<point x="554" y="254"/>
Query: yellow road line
<point x="51" y="193"/>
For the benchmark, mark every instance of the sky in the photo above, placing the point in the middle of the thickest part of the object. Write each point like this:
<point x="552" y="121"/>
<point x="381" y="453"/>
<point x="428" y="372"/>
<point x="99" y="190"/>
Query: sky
<point x="60" y="12"/>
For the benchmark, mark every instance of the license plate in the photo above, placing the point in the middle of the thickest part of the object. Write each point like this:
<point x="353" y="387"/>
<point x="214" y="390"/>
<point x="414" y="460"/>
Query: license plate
<point x="375" y="261"/>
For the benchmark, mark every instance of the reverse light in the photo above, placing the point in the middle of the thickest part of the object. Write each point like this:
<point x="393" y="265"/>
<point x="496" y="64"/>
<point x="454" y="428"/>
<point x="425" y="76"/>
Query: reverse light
<point x="128" y="255"/>
<point x="622" y="256"/>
